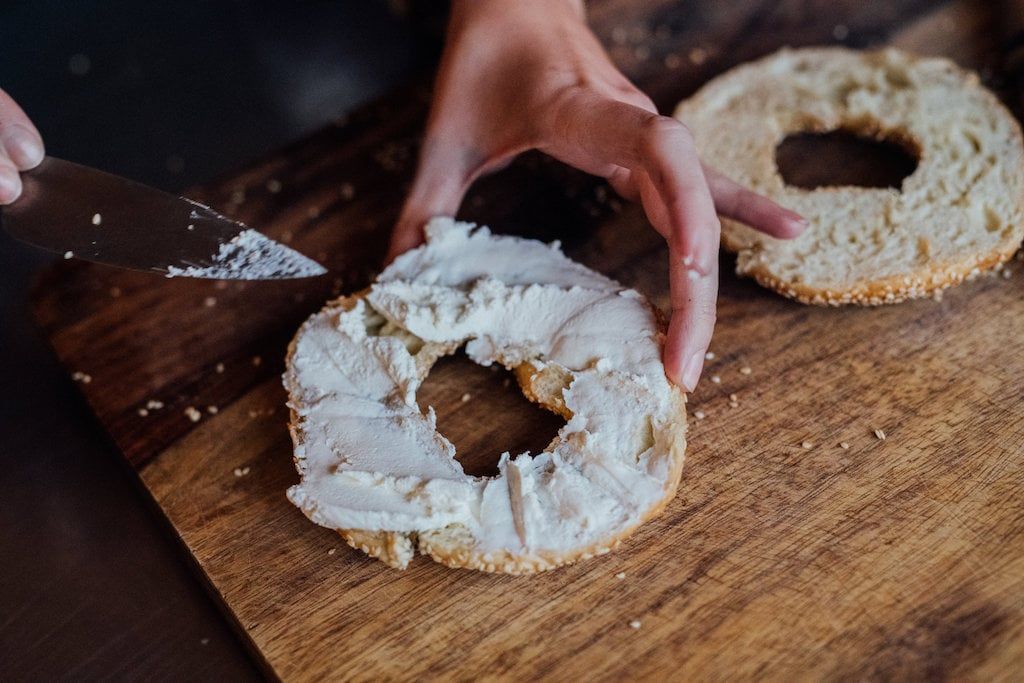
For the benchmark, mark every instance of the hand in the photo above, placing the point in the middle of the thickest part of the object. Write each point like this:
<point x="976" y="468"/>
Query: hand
<point x="529" y="74"/>
<point x="21" y="147"/>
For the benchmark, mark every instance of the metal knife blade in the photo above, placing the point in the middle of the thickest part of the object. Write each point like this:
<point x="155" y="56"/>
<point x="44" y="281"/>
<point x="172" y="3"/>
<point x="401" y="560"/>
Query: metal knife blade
<point x="84" y="213"/>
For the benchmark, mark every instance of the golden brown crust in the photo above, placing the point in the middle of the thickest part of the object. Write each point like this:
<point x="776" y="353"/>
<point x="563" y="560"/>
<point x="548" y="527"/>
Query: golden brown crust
<point x="892" y="290"/>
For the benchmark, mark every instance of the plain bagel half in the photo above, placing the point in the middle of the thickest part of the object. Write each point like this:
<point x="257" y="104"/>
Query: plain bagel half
<point x="959" y="213"/>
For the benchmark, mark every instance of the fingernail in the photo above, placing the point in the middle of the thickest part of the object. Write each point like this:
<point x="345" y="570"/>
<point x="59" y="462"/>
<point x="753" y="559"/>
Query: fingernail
<point x="691" y="371"/>
<point x="798" y="222"/>
<point x="10" y="185"/>
<point x="24" y="148"/>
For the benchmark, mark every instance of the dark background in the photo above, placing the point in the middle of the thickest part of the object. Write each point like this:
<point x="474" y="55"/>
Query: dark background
<point x="92" y="582"/>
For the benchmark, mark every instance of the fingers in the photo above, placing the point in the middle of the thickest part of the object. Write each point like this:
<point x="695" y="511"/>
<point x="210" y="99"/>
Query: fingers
<point x="21" y="148"/>
<point x="694" y="300"/>
<point x="443" y="174"/>
<point x="737" y="202"/>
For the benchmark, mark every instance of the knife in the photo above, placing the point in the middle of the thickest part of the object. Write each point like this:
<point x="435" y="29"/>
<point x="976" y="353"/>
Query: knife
<point x="88" y="214"/>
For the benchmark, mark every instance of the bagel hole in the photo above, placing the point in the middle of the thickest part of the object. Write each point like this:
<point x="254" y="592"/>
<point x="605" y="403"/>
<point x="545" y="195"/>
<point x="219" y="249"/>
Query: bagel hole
<point x="843" y="158"/>
<point x="495" y="418"/>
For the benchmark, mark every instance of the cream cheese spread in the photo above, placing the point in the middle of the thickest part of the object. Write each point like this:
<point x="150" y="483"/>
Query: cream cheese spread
<point x="370" y="459"/>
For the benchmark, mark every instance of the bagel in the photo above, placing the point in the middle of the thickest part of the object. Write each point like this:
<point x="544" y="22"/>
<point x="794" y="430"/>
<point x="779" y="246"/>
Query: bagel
<point x="960" y="211"/>
<point x="372" y="464"/>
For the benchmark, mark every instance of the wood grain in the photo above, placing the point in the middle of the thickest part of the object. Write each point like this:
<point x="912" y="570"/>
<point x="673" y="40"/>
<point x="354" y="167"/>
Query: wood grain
<point x="892" y="559"/>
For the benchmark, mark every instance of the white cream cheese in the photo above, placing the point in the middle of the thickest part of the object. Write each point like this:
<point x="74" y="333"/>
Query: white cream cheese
<point x="370" y="459"/>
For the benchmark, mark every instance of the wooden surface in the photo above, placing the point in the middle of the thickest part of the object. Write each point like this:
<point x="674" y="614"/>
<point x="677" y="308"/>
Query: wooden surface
<point x="896" y="558"/>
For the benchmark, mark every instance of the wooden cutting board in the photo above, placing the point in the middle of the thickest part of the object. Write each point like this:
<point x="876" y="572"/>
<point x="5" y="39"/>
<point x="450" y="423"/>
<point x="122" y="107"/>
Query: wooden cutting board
<point x="894" y="558"/>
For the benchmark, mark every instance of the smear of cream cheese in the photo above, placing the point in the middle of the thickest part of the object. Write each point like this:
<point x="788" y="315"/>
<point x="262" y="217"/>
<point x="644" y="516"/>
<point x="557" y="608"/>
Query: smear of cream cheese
<point x="369" y="458"/>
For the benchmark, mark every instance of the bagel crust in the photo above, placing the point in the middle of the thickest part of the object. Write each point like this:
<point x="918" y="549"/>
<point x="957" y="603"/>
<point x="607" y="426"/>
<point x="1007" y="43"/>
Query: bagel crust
<point x="372" y="465"/>
<point x="961" y="212"/>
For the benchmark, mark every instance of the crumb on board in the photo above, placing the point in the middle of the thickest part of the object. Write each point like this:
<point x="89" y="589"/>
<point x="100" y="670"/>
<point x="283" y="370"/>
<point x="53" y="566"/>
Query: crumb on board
<point x="699" y="414"/>
<point x="219" y="368"/>
<point x="210" y="301"/>
<point x="745" y="370"/>
<point x="635" y="624"/>
<point x="143" y="412"/>
<point x="332" y="551"/>
<point x="715" y="379"/>
<point x="710" y="355"/>
<point x="204" y="641"/>
<point x="238" y="195"/>
<point x="273" y="186"/>
<point x="242" y="471"/>
<point x="256" y="361"/>
<point x="97" y="219"/>
<point x="212" y="410"/>
<point x="845" y="445"/>
<point x="620" y="576"/>
<point x="313" y="212"/>
<point x="465" y="398"/>
<point x="348" y="191"/>
<point x="698" y="55"/>
<point x="880" y="435"/>
<point x="154" y="404"/>
<point x="69" y="254"/>
<point x="806" y="445"/>
<point x="82" y="377"/>
<point x="193" y="414"/>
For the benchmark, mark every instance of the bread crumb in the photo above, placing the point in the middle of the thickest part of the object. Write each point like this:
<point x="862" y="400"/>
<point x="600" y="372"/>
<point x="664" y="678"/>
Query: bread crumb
<point x="97" y="219"/>
<point x="715" y="379"/>
<point x="332" y="551"/>
<point x="242" y="471"/>
<point x="82" y="377"/>
<point x="710" y="355"/>
<point x="273" y="186"/>
<point x="142" y="412"/>
<point x="256" y="361"/>
<point x="348" y="191"/>
<point x="807" y="445"/>
<point x="620" y="575"/>
<point x="212" y="410"/>
<point x="698" y="55"/>
<point x="204" y="641"/>
<point x="219" y="368"/>
<point x="69" y="254"/>
<point x="465" y="398"/>
<point x="193" y="414"/>
<point x="845" y="445"/>
<point x="745" y="370"/>
<point x="734" y="398"/>
<point x="153" y="404"/>
<point x="190" y="227"/>
<point x="210" y="301"/>
<point x="699" y="414"/>
<point x="880" y="434"/>
<point x="1007" y="273"/>
<point x="635" y="624"/>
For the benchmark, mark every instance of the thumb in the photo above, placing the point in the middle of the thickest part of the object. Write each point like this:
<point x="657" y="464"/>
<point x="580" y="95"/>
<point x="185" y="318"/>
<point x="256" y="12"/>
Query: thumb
<point x="442" y="177"/>
<point x="21" y="148"/>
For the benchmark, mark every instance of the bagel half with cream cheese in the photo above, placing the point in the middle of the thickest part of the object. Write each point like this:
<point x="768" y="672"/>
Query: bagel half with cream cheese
<point x="372" y="464"/>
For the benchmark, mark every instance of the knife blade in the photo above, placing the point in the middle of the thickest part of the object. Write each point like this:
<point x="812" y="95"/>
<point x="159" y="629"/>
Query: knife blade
<point x="84" y="213"/>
